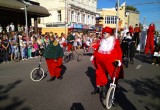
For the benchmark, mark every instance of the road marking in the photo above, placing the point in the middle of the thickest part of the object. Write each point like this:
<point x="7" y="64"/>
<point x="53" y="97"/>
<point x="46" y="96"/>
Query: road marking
<point x="138" y="67"/>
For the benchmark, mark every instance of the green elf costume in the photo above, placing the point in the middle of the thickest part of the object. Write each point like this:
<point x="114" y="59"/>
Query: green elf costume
<point x="54" y="56"/>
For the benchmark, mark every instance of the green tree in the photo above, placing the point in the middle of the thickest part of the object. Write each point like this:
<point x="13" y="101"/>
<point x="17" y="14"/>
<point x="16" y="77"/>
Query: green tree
<point x="131" y="8"/>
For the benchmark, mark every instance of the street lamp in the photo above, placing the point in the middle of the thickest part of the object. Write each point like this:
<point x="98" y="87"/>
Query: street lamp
<point x="25" y="9"/>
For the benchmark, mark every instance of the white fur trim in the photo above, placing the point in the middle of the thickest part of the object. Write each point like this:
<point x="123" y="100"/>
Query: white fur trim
<point x="107" y="45"/>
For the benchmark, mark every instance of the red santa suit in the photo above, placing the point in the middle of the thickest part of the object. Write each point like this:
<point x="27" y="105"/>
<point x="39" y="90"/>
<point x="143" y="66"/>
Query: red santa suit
<point x="150" y="40"/>
<point x="108" y="52"/>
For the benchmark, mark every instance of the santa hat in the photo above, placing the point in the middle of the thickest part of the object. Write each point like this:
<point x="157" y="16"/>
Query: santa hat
<point x="107" y="30"/>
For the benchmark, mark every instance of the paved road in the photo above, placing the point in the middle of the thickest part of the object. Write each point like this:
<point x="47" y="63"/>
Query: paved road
<point x="139" y="90"/>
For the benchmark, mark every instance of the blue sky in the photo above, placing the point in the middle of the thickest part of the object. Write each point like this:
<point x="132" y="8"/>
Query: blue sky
<point x="149" y="9"/>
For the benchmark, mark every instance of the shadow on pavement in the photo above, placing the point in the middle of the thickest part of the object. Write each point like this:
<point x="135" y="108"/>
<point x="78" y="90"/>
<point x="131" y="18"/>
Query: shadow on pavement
<point x="143" y="58"/>
<point x="147" y="87"/>
<point x="15" y="101"/>
<point x="63" y="70"/>
<point x="77" y="106"/>
<point x="122" y="100"/>
<point x="91" y="73"/>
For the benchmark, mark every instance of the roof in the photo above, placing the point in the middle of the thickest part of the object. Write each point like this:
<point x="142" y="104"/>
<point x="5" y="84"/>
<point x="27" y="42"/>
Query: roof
<point x="16" y="5"/>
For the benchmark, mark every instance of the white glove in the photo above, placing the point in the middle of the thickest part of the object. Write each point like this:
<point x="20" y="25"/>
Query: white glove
<point x="119" y="63"/>
<point x="92" y="57"/>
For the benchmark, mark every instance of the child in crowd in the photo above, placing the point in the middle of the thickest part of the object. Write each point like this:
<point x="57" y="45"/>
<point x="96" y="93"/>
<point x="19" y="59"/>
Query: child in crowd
<point x="35" y="49"/>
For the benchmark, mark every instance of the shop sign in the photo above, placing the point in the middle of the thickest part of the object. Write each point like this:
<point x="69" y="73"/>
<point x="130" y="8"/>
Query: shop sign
<point x="85" y="27"/>
<point x="79" y="26"/>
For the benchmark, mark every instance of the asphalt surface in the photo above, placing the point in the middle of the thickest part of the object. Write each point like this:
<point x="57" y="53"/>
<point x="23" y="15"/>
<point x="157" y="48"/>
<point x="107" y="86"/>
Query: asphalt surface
<point x="139" y="90"/>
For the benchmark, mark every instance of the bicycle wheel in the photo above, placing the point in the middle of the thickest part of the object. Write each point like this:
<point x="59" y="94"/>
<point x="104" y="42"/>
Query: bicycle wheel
<point x="37" y="74"/>
<point x="72" y="56"/>
<point x="110" y="97"/>
<point x="65" y="59"/>
<point x="79" y="57"/>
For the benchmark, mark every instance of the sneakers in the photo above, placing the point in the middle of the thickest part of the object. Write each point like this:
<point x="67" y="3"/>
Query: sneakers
<point x="156" y="64"/>
<point x="153" y="63"/>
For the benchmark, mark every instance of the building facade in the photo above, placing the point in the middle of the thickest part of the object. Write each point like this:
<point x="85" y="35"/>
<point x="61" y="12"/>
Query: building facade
<point x="132" y="18"/>
<point x="12" y="11"/>
<point x="126" y="18"/>
<point x="69" y="14"/>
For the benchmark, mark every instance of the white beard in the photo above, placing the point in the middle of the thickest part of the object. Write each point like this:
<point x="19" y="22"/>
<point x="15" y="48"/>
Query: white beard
<point x="107" y="45"/>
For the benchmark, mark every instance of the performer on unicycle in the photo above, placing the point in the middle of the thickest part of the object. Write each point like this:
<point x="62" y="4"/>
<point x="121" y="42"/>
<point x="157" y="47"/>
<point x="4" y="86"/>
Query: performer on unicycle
<point x="54" y="55"/>
<point x="108" y="52"/>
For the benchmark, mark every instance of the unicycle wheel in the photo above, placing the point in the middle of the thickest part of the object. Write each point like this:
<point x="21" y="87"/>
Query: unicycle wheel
<point x="37" y="74"/>
<point x="110" y="97"/>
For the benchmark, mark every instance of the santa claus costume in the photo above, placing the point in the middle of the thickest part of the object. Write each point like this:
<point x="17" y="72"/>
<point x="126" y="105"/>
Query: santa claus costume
<point x="150" y="40"/>
<point x="108" y="52"/>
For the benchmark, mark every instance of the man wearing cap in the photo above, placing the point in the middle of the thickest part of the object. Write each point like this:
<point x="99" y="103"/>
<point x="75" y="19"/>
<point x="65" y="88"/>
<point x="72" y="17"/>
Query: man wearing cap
<point x="54" y="55"/>
<point x="109" y="51"/>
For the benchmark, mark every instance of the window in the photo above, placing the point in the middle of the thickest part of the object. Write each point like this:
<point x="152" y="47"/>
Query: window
<point x="110" y="20"/>
<point x="84" y="18"/>
<point x="72" y="16"/>
<point x="88" y="20"/>
<point x="78" y="17"/>
<point x="59" y="15"/>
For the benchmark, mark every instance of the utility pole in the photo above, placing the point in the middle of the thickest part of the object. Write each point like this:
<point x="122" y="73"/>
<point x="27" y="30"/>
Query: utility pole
<point x="66" y="17"/>
<point x="117" y="15"/>
<point x="26" y="27"/>
<point x="144" y="20"/>
<point x="25" y="9"/>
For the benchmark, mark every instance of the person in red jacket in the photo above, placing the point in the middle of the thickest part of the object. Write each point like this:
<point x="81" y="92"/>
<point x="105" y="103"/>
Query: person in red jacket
<point x="136" y="34"/>
<point x="108" y="52"/>
<point x="131" y="30"/>
<point x="150" y="40"/>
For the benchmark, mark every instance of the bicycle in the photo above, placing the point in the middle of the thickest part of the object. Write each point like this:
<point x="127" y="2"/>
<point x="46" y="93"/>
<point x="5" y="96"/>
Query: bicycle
<point x="37" y="73"/>
<point x="70" y="56"/>
<point x="109" y="100"/>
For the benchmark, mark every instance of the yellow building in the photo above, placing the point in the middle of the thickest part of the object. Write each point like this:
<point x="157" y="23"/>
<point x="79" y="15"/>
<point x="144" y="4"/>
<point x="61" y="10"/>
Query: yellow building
<point x="126" y="18"/>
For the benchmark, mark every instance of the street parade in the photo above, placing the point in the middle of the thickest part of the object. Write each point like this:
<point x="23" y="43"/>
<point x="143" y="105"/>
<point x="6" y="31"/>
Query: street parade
<point x="79" y="55"/>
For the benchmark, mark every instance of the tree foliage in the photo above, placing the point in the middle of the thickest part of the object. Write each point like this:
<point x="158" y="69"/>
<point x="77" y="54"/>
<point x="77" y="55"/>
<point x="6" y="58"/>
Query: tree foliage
<point x="131" y="8"/>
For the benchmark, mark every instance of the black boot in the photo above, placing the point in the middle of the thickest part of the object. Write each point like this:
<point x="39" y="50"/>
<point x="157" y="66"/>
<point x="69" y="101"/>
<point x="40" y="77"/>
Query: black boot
<point x="51" y="79"/>
<point x="60" y="78"/>
<point x="96" y="90"/>
<point x="103" y="91"/>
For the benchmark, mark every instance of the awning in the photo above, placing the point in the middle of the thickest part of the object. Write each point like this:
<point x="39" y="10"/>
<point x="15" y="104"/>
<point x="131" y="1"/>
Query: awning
<point x="14" y="5"/>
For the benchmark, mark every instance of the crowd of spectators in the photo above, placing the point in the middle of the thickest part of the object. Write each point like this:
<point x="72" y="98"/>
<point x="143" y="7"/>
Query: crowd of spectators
<point x="16" y="46"/>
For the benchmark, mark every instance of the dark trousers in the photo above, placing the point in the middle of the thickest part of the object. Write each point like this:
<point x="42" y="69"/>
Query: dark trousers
<point x="136" y="35"/>
<point x="5" y="55"/>
<point x="156" y="60"/>
<point x="128" y="50"/>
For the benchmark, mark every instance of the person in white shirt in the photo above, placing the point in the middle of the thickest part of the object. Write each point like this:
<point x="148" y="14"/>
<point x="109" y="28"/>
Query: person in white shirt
<point x="12" y="27"/>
